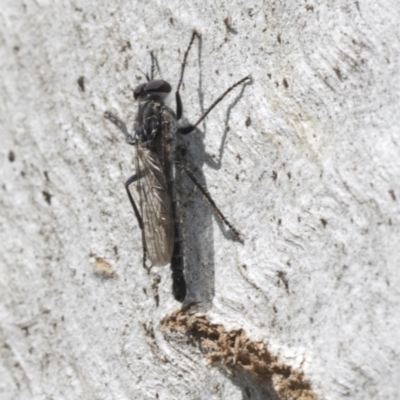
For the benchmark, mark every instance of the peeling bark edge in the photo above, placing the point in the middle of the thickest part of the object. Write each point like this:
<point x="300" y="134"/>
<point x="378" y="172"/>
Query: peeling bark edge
<point x="237" y="355"/>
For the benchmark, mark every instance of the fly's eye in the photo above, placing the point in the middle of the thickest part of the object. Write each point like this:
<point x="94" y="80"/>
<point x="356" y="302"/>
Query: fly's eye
<point x="158" y="86"/>
<point x="138" y="90"/>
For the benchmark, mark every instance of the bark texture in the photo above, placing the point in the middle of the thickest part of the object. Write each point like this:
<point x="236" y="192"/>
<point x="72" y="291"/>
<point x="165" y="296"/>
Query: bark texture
<point x="304" y="161"/>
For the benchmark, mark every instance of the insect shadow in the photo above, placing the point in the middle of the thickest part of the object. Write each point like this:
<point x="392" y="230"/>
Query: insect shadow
<point x="197" y="214"/>
<point x="161" y="164"/>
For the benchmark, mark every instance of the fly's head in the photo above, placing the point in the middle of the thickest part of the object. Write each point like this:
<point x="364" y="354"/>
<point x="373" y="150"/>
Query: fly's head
<point x="155" y="89"/>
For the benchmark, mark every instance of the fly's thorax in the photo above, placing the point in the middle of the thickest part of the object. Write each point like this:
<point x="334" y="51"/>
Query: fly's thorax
<point x="154" y="119"/>
<point x="148" y="123"/>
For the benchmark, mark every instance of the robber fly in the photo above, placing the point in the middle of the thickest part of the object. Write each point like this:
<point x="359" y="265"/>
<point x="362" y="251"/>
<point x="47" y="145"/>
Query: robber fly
<point x="158" y="163"/>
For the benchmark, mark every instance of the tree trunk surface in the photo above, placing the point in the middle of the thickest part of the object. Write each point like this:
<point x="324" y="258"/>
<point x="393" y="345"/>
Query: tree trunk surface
<point x="304" y="161"/>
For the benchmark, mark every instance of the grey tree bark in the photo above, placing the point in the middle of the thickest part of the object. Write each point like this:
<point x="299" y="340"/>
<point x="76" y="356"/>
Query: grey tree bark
<point x="304" y="161"/>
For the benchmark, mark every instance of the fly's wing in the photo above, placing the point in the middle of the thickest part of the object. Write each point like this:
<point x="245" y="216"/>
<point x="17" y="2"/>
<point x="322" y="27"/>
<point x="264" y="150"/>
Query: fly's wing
<point x="155" y="205"/>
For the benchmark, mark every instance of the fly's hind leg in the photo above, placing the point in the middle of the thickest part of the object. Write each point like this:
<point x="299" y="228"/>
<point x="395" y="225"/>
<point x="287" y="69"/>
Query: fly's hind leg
<point x="181" y="160"/>
<point x="131" y="180"/>
<point x="130" y="140"/>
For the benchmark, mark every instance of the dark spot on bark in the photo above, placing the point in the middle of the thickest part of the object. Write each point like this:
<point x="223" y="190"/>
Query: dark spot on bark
<point x="228" y="25"/>
<point x="392" y="194"/>
<point x="283" y="278"/>
<point x="274" y="175"/>
<point x="47" y="196"/>
<point x="125" y="46"/>
<point x="248" y="122"/>
<point x="338" y="72"/>
<point x="285" y="83"/>
<point x="11" y="156"/>
<point x="81" y="83"/>
<point x="324" y="222"/>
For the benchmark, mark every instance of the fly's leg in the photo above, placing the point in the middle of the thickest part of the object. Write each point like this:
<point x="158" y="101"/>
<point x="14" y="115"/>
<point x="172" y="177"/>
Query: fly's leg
<point x="130" y="140"/>
<point x="179" y="107"/>
<point x="121" y="125"/>
<point x="187" y="129"/>
<point x="131" y="180"/>
<point x="208" y="197"/>
<point x="181" y="160"/>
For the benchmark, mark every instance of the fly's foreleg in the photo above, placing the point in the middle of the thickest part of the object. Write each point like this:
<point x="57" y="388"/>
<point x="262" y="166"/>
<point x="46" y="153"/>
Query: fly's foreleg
<point x="120" y="125"/>
<point x="179" y="107"/>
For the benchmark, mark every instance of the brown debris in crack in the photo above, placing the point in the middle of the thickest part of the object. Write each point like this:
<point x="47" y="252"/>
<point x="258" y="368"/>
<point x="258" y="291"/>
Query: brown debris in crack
<point x="103" y="268"/>
<point x="234" y="350"/>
